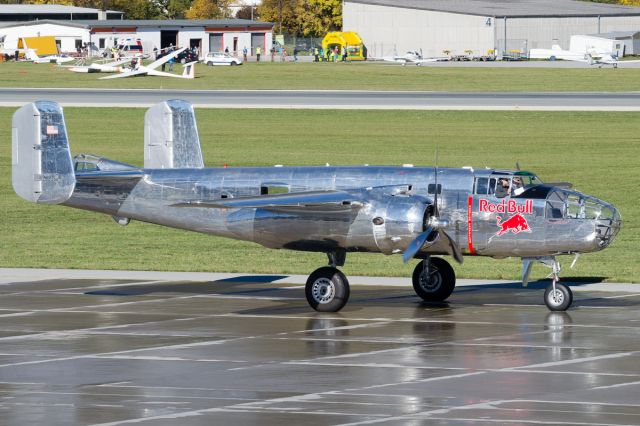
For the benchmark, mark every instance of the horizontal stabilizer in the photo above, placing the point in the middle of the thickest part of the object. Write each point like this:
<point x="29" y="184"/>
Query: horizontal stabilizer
<point x="42" y="169"/>
<point x="171" y="138"/>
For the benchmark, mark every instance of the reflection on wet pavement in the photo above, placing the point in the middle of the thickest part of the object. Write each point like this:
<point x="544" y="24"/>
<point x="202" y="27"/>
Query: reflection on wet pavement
<point x="250" y="351"/>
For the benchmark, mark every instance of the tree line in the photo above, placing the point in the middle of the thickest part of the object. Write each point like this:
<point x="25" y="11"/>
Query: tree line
<point x="300" y="17"/>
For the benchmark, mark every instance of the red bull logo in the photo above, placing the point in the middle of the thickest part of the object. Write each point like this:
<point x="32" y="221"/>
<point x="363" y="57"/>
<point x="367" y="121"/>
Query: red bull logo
<point x="516" y="224"/>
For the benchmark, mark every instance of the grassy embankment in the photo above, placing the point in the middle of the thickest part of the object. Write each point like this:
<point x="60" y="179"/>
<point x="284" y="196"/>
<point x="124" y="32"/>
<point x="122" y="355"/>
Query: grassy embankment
<point x="365" y="76"/>
<point x="598" y="152"/>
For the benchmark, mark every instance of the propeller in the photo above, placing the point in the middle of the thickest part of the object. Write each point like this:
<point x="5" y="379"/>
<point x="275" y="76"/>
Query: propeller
<point x="435" y="227"/>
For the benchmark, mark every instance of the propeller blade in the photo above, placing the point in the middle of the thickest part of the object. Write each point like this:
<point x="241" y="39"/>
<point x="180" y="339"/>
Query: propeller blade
<point x="453" y="248"/>
<point x="416" y="245"/>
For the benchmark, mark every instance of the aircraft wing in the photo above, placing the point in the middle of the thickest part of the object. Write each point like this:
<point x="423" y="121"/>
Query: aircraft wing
<point x="165" y="58"/>
<point x="126" y="74"/>
<point x="312" y="201"/>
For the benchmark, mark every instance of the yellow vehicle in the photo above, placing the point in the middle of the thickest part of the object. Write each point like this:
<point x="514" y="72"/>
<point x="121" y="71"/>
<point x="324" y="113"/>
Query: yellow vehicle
<point x="356" y="50"/>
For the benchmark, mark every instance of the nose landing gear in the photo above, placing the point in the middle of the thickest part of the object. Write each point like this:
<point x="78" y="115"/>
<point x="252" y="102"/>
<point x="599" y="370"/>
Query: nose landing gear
<point x="557" y="297"/>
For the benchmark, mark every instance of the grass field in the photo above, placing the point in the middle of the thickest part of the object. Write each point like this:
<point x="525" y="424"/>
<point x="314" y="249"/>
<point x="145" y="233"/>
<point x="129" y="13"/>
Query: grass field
<point x="598" y="152"/>
<point x="365" y="76"/>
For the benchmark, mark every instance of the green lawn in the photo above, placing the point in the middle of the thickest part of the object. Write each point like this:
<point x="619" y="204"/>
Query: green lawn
<point x="365" y="76"/>
<point x="596" y="151"/>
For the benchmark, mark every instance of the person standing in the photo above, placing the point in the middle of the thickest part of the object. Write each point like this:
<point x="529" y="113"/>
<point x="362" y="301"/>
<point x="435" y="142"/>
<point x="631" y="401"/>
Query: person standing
<point x="171" y="61"/>
<point x="258" y="52"/>
<point x="344" y="53"/>
<point x="315" y="54"/>
<point x="295" y="54"/>
<point x="244" y="53"/>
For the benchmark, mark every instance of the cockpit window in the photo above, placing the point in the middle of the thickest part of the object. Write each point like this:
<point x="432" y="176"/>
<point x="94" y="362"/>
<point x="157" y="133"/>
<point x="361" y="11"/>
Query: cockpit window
<point x="555" y="208"/>
<point x="569" y="205"/>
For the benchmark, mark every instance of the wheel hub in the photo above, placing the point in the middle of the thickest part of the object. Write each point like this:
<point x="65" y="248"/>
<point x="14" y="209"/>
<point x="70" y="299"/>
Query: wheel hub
<point x="323" y="290"/>
<point x="556" y="297"/>
<point x="432" y="282"/>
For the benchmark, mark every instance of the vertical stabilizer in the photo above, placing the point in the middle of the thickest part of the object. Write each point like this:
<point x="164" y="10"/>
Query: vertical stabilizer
<point x="171" y="137"/>
<point x="189" y="70"/>
<point x="42" y="168"/>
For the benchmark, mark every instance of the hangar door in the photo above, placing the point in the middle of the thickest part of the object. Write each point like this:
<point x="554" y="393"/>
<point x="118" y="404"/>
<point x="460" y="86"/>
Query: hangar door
<point x="215" y="43"/>
<point x="257" y="40"/>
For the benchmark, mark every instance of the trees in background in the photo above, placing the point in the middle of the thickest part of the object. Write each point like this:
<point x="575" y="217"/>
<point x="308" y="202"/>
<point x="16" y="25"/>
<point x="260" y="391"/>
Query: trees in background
<point x="302" y="17"/>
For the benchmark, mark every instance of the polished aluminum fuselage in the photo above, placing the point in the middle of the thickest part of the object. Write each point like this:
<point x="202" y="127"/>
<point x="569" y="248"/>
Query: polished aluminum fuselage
<point x="153" y="197"/>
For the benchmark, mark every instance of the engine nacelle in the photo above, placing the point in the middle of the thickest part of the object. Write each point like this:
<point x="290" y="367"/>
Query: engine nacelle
<point x="397" y="220"/>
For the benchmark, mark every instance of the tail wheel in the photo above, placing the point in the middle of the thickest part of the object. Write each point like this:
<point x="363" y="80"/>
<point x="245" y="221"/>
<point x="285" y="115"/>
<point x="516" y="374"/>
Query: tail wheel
<point x="327" y="290"/>
<point x="436" y="285"/>
<point x="558" y="299"/>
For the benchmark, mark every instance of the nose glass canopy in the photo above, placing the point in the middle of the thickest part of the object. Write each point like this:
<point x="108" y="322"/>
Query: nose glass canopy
<point x="571" y="205"/>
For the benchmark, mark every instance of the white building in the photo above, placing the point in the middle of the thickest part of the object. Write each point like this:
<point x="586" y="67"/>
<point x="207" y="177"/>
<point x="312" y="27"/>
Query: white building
<point x="618" y="43"/>
<point x="207" y="35"/>
<point x="480" y="26"/>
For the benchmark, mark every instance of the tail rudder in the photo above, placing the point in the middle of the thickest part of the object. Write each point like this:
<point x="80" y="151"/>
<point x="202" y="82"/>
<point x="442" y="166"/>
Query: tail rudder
<point x="31" y="55"/>
<point x="42" y="168"/>
<point x="189" y="70"/>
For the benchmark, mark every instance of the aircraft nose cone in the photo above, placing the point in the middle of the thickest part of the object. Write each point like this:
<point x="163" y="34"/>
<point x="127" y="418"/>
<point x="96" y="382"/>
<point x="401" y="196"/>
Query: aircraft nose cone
<point x="607" y="229"/>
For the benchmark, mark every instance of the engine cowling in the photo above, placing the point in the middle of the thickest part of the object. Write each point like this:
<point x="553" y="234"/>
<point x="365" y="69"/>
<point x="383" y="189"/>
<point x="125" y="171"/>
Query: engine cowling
<point x="397" y="220"/>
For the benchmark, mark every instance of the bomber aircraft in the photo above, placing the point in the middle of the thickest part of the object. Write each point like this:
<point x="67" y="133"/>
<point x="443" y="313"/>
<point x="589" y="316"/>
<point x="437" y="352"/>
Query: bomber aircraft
<point x="419" y="212"/>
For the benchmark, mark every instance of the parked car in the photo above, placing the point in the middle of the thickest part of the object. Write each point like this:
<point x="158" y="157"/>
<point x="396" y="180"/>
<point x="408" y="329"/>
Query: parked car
<point x="221" y="58"/>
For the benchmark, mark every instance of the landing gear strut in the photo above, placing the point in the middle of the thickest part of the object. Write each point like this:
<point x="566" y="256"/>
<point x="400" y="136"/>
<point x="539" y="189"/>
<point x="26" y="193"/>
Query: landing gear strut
<point x="434" y="279"/>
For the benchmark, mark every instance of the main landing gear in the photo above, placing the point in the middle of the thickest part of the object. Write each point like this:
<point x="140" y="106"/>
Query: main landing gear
<point x="434" y="279"/>
<point x="327" y="288"/>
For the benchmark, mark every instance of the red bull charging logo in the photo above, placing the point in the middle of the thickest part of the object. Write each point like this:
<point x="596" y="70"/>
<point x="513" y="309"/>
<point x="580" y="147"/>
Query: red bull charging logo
<point x="517" y="222"/>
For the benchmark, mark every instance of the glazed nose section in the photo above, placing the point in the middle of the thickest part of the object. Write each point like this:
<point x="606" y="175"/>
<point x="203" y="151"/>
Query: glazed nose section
<point x="607" y="225"/>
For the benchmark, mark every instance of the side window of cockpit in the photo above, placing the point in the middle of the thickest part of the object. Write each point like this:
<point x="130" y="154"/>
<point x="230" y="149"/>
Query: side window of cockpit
<point x="555" y="207"/>
<point x="485" y="186"/>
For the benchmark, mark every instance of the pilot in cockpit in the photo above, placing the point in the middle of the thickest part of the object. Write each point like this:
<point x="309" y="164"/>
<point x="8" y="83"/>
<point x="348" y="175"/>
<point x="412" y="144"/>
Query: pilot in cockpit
<point x="517" y="187"/>
<point x="502" y="188"/>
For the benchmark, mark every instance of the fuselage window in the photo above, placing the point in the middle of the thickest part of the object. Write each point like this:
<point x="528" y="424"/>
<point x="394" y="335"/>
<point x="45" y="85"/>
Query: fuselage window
<point x="273" y="190"/>
<point x="431" y="189"/>
<point x="485" y="186"/>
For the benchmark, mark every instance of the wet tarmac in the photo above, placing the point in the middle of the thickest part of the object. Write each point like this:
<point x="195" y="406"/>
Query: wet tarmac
<point x="248" y="350"/>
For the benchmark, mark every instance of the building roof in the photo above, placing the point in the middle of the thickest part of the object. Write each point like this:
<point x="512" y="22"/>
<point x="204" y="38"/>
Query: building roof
<point x="511" y="8"/>
<point x="89" y="24"/>
<point x="615" y="34"/>
<point x="232" y="23"/>
<point x="43" y="9"/>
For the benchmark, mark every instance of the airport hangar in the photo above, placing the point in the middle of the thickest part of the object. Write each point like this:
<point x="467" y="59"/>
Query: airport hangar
<point x="207" y="35"/>
<point x="396" y="26"/>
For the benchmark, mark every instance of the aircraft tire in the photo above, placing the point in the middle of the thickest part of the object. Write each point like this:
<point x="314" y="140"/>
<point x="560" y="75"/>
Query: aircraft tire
<point x="441" y="283"/>
<point x="327" y="289"/>
<point x="560" y="300"/>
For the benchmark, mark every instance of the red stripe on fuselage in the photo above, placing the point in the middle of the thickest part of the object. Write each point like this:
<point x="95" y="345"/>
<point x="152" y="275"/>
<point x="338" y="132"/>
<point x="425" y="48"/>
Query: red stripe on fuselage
<point x="470" y="225"/>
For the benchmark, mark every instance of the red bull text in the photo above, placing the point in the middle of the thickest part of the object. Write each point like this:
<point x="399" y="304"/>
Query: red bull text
<point x="506" y="206"/>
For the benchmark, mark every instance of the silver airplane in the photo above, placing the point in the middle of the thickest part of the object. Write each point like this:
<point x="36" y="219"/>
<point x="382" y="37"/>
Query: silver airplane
<point x="419" y="212"/>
